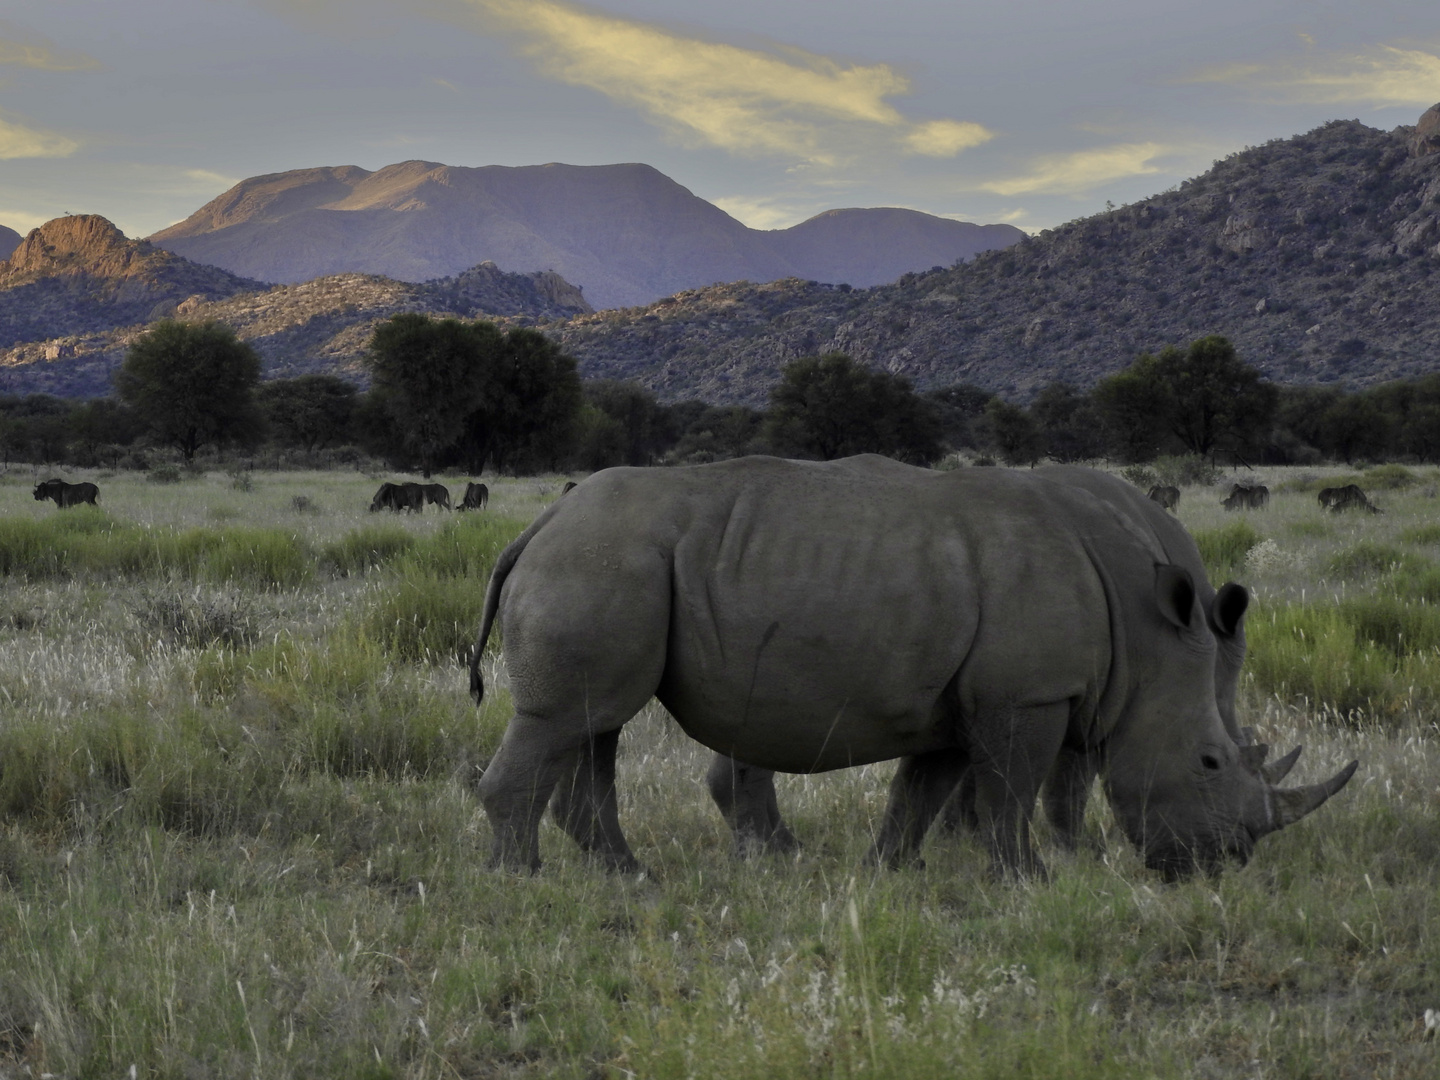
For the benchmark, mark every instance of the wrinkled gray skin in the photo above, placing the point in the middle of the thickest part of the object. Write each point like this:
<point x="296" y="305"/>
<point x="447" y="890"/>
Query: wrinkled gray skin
<point x="746" y="795"/>
<point x="812" y="616"/>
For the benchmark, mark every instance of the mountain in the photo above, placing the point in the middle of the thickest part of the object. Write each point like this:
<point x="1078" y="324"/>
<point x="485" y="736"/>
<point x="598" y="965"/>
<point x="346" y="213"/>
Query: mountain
<point x="79" y="274"/>
<point x="1318" y="256"/>
<point x="626" y="234"/>
<point x="9" y="241"/>
<point x="75" y="293"/>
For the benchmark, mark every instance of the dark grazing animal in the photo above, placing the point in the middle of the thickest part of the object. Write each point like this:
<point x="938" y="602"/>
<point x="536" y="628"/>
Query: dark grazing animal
<point x="1349" y="497"/>
<point x="67" y="494"/>
<point x="1167" y="495"/>
<point x="436" y="495"/>
<point x="1247" y="497"/>
<point x="713" y="588"/>
<point x="476" y="497"/>
<point x="397" y="497"/>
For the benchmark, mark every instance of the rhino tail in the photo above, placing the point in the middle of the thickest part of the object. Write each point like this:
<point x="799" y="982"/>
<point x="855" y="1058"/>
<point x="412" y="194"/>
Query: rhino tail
<point x="503" y="565"/>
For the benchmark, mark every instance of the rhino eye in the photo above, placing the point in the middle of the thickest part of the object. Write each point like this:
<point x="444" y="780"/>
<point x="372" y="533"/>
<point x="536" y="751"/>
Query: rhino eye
<point x="1210" y="762"/>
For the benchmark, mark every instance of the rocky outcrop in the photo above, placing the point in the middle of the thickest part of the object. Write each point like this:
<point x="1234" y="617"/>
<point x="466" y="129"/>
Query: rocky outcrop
<point x="1426" y="140"/>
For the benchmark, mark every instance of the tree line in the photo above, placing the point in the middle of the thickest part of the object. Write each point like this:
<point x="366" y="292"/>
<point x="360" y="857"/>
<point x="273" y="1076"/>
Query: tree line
<point x="449" y="395"/>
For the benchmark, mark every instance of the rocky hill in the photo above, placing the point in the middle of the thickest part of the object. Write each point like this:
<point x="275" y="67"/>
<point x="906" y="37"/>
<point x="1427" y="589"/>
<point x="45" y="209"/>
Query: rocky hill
<point x="76" y="293"/>
<point x="627" y="234"/>
<point x="9" y="241"/>
<point x="1318" y="255"/>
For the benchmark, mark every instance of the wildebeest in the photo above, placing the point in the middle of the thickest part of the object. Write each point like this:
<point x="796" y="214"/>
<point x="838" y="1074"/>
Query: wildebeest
<point x="1246" y="497"/>
<point x="67" y="494"/>
<point x="436" y="495"/>
<point x="1167" y="495"/>
<point x="1349" y="497"/>
<point x="397" y="497"/>
<point x="714" y="588"/>
<point x="476" y="497"/>
<point x="569" y="487"/>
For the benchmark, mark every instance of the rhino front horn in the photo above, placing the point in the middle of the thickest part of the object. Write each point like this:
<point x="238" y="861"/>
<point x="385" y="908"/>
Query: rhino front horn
<point x="1289" y="805"/>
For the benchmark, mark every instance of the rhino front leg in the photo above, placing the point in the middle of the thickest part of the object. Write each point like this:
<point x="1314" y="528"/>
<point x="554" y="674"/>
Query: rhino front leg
<point x="585" y="805"/>
<point x="1066" y="793"/>
<point x="921" y="785"/>
<point x="1012" y="751"/>
<point x="745" y="795"/>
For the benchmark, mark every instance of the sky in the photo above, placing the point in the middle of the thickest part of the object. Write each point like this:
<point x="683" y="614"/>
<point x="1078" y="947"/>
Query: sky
<point x="1031" y="112"/>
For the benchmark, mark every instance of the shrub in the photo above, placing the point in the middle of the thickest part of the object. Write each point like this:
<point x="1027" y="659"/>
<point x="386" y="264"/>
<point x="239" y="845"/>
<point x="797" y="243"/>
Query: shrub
<point x="1368" y="558"/>
<point x="1142" y="476"/>
<point x="165" y="474"/>
<point x="1224" y="550"/>
<point x="1186" y="469"/>
<point x="359" y="551"/>
<point x="1421" y="534"/>
<point x="1388" y="478"/>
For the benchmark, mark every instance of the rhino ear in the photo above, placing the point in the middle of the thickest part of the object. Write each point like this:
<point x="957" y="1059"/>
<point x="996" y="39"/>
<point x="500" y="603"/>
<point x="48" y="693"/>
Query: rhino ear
<point x="1175" y="594"/>
<point x="1228" y="608"/>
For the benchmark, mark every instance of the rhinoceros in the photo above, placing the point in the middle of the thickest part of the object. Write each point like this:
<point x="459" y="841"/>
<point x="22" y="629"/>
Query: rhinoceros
<point x="746" y="795"/>
<point x="804" y="616"/>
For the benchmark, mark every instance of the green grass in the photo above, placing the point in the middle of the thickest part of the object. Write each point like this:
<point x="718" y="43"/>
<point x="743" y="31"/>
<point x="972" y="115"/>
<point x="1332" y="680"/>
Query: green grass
<point x="239" y="835"/>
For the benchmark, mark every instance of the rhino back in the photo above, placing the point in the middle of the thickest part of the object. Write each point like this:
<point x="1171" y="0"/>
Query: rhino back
<point x="807" y="616"/>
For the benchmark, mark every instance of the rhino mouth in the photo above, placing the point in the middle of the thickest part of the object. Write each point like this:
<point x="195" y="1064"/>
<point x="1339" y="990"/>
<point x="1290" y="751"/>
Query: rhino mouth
<point x="1177" y="860"/>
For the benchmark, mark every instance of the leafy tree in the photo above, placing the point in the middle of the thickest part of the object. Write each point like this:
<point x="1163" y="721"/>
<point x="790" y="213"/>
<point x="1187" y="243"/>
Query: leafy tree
<point x="1215" y="399"/>
<point x="1069" y="423"/>
<point x="959" y="408"/>
<point x="1132" y="406"/>
<point x="192" y="384"/>
<point x="1016" y="435"/>
<point x="309" y="411"/>
<point x="1354" y="426"/>
<point x="430" y="376"/>
<point x="720" y="432"/>
<point x="531" y="404"/>
<point x="646" y="427"/>
<point x="830" y="406"/>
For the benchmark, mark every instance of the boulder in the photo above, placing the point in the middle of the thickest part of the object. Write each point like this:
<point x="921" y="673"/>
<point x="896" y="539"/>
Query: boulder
<point x="1426" y="139"/>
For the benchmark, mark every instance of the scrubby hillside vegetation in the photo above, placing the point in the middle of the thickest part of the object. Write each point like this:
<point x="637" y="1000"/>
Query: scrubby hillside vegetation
<point x="1316" y="255"/>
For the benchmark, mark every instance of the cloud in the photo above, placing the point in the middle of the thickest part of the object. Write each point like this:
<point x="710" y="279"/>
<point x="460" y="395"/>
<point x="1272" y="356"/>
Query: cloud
<point x="1082" y="170"/>
<point x="786" y="103"/>
<point x="1382" y="76"/>
<point x="18" y="141"/>
<point x="19" y="46"/>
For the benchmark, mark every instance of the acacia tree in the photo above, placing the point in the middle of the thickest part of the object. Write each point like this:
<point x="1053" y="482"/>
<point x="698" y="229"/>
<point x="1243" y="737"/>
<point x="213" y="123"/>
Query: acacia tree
<point x="309" y="411"/>
<point x="829" y="406"/>
<point x="430" y="376"/>
<point x="191" y="384"/>
<point x="1213" y="397"/>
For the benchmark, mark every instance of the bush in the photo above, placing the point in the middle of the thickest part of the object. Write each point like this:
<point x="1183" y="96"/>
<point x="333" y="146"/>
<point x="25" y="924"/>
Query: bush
<point x="1224" y="549"/>
<point x="165" y="474"/>
<point x="363" y="549"/>
<point x="1186" y="470"/>
<point x="1368" y="558"/>
<point x="1142" y="476"/>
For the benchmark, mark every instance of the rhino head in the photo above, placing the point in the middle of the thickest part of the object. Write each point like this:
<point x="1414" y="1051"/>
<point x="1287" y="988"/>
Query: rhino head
<point x="1184" y="792"/>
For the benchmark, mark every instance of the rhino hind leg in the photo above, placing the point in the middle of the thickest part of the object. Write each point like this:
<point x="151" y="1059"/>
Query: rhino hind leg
<point x="584" y="804"/>
<point x="745" y="795"/>
<point x="922" y="784"/>
<point x="516" y="787"/>
<point x="959" y="812"/>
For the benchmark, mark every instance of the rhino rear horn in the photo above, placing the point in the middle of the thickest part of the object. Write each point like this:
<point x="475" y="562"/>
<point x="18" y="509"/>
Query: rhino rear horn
<point x="1289" y="805"/>
<point x="1278" y="770"/>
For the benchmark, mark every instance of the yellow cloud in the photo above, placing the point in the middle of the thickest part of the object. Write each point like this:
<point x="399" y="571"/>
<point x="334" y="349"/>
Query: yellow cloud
<point x="745" y="101"/>
<point x="1080" y="171"/>
<point x="1382" y="76"/>
<point x="17" y="46"/>
<point x="17" y="141"/>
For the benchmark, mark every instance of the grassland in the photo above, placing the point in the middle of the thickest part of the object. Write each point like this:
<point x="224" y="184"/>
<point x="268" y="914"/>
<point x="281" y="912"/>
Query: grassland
<point x="238" y="834"/>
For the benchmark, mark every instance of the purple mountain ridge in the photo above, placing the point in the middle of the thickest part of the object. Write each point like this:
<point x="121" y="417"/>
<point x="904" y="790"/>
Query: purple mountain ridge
<point x="627" y="234"/>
